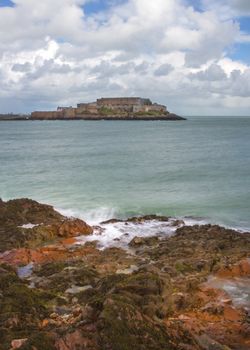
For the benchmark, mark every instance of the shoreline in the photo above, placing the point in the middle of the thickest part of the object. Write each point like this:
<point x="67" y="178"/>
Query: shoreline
<point x="183" y="287"/>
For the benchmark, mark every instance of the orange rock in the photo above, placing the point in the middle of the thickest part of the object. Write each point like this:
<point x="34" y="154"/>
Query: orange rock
<point x="73" y="228"/>
<point x="43" y="255"/>
<point x="69" y="241"/>
<point x="242" y="269"/>
<point x="231" y="314"/>
<point x="44" y="323"/>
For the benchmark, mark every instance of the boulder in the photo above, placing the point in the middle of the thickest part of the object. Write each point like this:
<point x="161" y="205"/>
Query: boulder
<point x="74" y="227"/>
<point x="27" y="223"/>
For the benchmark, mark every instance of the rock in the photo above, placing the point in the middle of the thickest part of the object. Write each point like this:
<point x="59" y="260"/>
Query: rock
<point x="77" y="289"/>
<point x="75" y="340"/>
<point x="150" y="297"/>
<point x="17" y="343"/>
<point x="111" y="221"/>
<point x="128" y="271"/>
<point x="177" y="223"/>
<point x="26" y="211"/>
<point x="26" y="223"/>
<point x="241" y="269"/>
<point x="139" y="241"/>
<point x="232" y="314"/>
<point x="138" y="219"/>
<point x="53" y="253"/>
<point x="213" y="308"/>
<point x="73" y="228"/>
<point x="227" y="301"/>
<point x="208" y="343"/>
<point x="142" y="219"/>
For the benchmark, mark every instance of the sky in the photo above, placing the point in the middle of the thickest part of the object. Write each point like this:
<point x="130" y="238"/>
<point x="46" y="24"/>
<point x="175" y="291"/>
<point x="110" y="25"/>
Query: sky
<point x="191" y="55"/>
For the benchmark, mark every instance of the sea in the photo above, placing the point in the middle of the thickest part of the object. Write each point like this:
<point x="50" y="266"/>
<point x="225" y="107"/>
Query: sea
<point x="197" y="170"/>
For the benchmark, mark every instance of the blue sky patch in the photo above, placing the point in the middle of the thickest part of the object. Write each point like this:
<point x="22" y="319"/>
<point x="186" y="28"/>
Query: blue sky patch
<point x="95" y="6"/>
<point x="196" y="4"/>
<point x="240" y="52"/>
<point x="6" y="3"/>
<point x="244" y="24"/>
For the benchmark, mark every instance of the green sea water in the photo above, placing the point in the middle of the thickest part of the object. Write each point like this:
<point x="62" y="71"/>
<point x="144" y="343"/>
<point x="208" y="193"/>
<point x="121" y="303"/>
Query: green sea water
<point x="103" y="169"/>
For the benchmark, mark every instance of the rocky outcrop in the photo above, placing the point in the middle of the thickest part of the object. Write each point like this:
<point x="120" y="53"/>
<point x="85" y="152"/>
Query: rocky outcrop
<point x="159" y="293"/>
<point x="26" y="223"/>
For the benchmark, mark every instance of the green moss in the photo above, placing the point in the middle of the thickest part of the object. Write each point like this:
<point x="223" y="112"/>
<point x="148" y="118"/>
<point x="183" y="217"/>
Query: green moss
<point x="51" y="268"/>
<point x="7" y="278"/>
<point x="64" y="279"/>
<point x="142" y="284"/>
<point x="19" y="298"/>
<point x="182" y="267"/>
<point x="106" y="111"/>
<point x="123" y="327"/>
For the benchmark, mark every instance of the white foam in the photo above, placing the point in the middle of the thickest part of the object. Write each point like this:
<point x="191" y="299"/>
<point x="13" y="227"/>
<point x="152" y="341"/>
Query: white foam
<point x="28" y="226"/>
<point x="121" y="233"/>
<point x="92" y="216"/>
<point x="237" y="288"/>
<point x="191" y="221"/>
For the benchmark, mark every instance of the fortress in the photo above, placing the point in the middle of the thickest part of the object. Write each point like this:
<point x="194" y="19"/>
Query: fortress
<point x="121" y="108"/>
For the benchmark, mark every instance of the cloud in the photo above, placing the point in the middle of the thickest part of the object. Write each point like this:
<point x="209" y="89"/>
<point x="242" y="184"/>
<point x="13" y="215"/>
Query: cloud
<point x="164" y="69"/>
<point x="212" y="73"/>
<point x="53" y="53"/>
<point x="22" y="67"/>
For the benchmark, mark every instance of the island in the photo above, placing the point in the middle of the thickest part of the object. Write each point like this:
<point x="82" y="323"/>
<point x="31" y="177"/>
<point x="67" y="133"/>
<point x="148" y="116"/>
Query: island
<point x="114" y="108"/>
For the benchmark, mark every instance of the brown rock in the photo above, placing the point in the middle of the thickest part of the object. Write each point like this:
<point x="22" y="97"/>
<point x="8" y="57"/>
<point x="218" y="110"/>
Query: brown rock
<point x="232" y="314"/>
<point x="74" y="341"/>
<point x="139" y="241"/>
<point x="73" y="228"/>
<point x="27" y="223"/>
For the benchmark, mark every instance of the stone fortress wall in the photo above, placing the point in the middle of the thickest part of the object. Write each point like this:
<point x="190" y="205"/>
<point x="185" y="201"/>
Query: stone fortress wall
<point x="118" y="105"/>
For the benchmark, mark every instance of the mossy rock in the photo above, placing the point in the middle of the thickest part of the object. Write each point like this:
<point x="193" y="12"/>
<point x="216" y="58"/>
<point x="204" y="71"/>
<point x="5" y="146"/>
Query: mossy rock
<point x="50" y="268"/>
<point x="183" y="267"/>
<point x="142" y="283"/>
<point x="61" y="277"/>
<point x="122" y="326"/>
<point x="39" y="341"/>
<point x="18" y="299"/>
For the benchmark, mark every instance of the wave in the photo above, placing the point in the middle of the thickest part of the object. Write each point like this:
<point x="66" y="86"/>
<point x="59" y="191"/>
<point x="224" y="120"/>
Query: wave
<point x="91" y="216"/>
<point x="119" y="234"/>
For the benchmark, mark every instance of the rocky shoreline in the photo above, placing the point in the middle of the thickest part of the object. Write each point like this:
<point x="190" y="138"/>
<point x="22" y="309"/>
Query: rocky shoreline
<point x="186" y="291"/>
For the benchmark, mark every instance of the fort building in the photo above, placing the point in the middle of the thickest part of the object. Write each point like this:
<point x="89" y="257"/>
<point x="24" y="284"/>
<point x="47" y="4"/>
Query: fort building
<point x="125" y="106"/>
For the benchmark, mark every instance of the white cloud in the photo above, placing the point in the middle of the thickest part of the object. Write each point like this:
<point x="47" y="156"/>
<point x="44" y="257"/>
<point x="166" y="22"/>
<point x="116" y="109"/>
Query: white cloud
<point x="52" y="53"/>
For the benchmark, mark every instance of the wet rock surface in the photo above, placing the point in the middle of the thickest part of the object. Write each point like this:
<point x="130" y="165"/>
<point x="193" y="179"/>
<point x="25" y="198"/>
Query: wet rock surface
<point x="159" y="293"/>
<point x="27" y="223"/>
